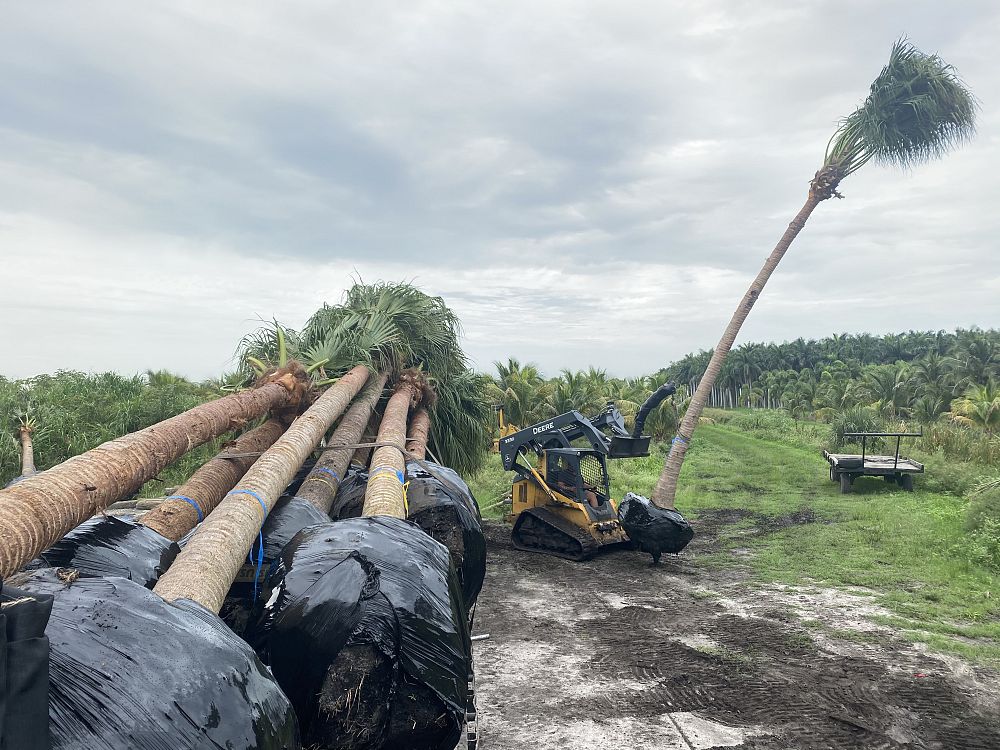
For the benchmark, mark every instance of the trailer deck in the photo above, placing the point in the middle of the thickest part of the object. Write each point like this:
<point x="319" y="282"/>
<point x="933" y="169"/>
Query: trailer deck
<point x="846" y="467"/>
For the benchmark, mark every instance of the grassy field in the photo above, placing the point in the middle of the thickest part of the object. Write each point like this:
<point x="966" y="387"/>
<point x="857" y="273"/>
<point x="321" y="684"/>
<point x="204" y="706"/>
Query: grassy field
<point x="908" y="547"/>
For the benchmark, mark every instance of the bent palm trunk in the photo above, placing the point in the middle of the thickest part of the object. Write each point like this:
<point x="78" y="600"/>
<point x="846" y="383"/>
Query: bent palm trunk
<point x="420" y="428"/>
<point x="207" y="567"/>
<point x="38" y="511"/>
<point x="384" y="494"/>
<point x="204" y="490"/>
<point x="320" y="486"/>
<point x="27" y="452"/>
<point x="666" y="487"/>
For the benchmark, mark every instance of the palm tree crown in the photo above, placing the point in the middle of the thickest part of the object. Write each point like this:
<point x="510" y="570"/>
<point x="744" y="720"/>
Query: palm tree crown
<point x="916" y="110"/>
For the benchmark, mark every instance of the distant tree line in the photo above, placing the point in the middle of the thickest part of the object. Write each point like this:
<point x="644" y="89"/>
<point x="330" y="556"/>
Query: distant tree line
<point x="856" y="382"/>
<point x="919" y="376"/>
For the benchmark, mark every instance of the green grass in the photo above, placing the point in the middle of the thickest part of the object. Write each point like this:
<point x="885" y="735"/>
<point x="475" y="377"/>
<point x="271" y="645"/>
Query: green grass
<point x="909" y="547"/>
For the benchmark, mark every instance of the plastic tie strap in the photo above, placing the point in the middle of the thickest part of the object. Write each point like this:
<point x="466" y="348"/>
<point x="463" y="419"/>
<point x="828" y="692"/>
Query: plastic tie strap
<point x="679" y="439"/>
<point x="324" y="470"/>
<point x="252" y="494"/>
<point x="192" y="503"/>
<point x="260" y="536"/>
<point x="387" y="469"/>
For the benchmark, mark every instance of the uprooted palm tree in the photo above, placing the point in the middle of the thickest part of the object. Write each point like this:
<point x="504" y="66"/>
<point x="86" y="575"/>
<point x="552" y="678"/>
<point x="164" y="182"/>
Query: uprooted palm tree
<point x="385" y="494"/>
<point x="916" y="110"/>
<point x="425" y="335"/>
<point x="207" y="567"/>
<point x="204" y="490"/>
<point x="392" y="327"/>
<point x="377" y="328"/>
<point x="321" y="484"/>
<point x="418" y="434"/>
<point x="37" y="511"/>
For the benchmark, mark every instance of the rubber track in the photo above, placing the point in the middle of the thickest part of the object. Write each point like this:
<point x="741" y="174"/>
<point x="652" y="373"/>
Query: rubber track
<point x="564" y="538"/>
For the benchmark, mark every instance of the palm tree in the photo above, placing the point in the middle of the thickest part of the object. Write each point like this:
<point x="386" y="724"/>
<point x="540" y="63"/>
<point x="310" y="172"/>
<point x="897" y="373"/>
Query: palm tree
<point x="26" y="428"/>
<point x="36" y="512"/>
<point x="321" y="484"/>
<point x="207" y="567"/>
<point x="463" y="415"/>
<point x="188" y="505"/>
<point x="384" y="495"/>
<point x="979" y="407"/>
<point x="419" y="431"/>
<point x="521" y="390"/>
<point x="916" y="110"/>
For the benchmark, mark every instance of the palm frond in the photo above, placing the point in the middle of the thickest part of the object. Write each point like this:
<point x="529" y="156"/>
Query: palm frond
<point x="917" y="109"/>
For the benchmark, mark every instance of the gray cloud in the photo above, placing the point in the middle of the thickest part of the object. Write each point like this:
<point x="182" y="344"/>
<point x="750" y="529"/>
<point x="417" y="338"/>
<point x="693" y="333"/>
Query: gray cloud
<point x="168" y="175"/>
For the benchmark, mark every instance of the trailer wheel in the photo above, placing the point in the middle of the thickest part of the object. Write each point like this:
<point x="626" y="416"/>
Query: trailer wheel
<point x="845" y="484"/>
<point x="834" y="476"/>
<point x="906" y="482"/>
<point x="890" y="478"/>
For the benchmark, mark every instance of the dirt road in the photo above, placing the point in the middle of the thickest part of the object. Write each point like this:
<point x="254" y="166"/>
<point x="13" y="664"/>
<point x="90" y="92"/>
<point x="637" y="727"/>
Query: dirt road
<point x="613" y="653"/>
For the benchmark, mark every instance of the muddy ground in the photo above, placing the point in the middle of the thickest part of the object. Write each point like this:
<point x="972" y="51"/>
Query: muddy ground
<point x="613" y="653"/>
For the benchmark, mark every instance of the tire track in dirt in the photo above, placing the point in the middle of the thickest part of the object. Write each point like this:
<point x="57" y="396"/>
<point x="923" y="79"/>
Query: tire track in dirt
<point x="615" y="651"/>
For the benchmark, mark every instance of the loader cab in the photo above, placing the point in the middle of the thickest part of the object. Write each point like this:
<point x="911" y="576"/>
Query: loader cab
<point x="582" y="476"/>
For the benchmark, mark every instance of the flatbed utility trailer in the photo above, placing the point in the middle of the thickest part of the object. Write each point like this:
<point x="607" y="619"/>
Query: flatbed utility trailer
<point x="846" y="467"/>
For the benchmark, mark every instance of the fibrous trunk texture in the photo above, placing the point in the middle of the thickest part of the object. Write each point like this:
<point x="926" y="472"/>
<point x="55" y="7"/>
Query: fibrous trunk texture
<point x="27" y="452"/>
<point x="36" y="512"/>
<point x="362" y="456"/>
<point x="384" y="494"/>
<point x="320" y="486"/>
<point x="420" y="428"/>
<point x="207" y="567"/>
<point x="199" y="495"/>
<point x="666" y="487"/>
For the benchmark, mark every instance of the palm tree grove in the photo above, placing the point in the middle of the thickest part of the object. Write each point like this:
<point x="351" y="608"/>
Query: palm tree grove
<point x="370" y="384"/>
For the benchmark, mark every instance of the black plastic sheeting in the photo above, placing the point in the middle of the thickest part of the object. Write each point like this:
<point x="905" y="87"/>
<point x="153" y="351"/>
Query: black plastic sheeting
<point x="288" y="517"/>
<point x="128" y="670"/>
<point x="350" y="499"/>
<point x="441" y="503"/>
<point x="24" y="670"/>
<point x="654" y="530"/>
<point x="367" y="585"/>
<point x="112" y="546"/>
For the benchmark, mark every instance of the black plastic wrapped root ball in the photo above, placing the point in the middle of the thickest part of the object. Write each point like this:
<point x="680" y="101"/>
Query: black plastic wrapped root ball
<point x="654" y="530"/>
<point x="350" y="499"/>
<point x="441" y="503"/>
<point x="112" y="546"/>
<point x="24" y="669"/>
<point x="364" y="627"/>
<point x="128" y="670"/>
<point x="288" y="517"/>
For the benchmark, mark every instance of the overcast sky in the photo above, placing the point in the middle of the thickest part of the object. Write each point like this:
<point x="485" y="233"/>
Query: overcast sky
<point x="585" y="183"/>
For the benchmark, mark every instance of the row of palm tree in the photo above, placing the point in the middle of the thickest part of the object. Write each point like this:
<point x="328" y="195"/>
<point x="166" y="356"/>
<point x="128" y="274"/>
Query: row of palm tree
<point x="750" y="375"/>
<point x="528" y="398"/>
<point x="934" y="387"/>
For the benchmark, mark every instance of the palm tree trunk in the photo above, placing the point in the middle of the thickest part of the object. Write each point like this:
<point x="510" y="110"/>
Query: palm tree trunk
<point x="207" y="567"/>
<point x="320" y="487"/>
<point x="420" y="429"/>
<point x="38" y="511"/>
<point x="199" y="495"/>
<point x="27" y="452"/>
<point x="666" y="487"/>
<point x="362" y="456"/>
<point x="384" y="494"/>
